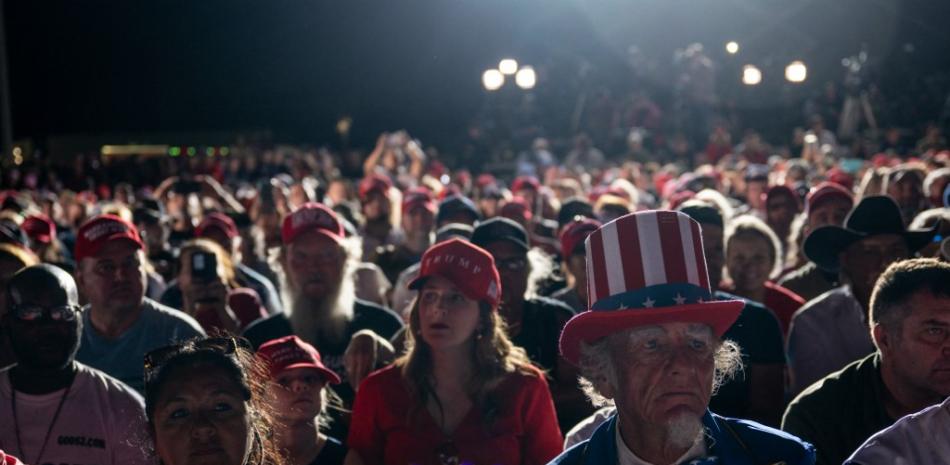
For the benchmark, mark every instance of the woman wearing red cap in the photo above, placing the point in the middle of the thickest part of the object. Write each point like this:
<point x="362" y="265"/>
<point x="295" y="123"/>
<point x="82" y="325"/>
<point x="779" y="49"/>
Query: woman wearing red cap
<point x="296" y="394"/>
<point x="463" y="393"/>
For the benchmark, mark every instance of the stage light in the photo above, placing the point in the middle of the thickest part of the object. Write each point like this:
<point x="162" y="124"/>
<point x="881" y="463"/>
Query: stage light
<point x="225" y="151"/>
<point x="191" y="151"/>
<point x="751" y="76"/>
<point x="526" y="78"/>
<point x="174" y="151"/>
<point x="796" y="71"/>
<point x="492" y="79"/>
<point x="508" y="66"/>
<point x="732" y="47"/>
<point x="209" y="151"/>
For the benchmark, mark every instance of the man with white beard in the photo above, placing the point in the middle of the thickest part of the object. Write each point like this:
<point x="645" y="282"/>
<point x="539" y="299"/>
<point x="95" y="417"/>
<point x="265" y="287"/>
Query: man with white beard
<point x="316" y="265"/>
<point x="651" y="344"/>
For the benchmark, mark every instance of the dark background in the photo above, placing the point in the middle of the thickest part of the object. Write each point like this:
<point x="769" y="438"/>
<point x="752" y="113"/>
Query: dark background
<point x="295" y="67"/>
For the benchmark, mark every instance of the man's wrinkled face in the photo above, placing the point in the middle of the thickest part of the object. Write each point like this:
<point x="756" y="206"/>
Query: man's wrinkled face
<point x="314" y="264"/>
<point x="921" y="352"/>
<point x="114" y="279"/>
<point x="665" y="372"/>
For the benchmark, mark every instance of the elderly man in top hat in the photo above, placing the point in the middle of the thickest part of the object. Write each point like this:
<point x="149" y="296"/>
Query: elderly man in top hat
<point x="831" y="330"/>
<point x="651" y="344"/>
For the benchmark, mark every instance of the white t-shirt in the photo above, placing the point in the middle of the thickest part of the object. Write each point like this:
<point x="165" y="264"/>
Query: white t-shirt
<point x="102" y="422"/>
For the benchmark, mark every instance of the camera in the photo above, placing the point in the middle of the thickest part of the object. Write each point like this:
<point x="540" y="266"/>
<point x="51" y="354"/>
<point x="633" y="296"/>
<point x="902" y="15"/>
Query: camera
<point x="204" y="266"/>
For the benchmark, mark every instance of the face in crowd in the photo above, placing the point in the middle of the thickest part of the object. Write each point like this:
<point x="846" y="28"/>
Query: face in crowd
<point x="314" y="265"/>
<point x="114" y="279"/>
<point x="447" y="318"/>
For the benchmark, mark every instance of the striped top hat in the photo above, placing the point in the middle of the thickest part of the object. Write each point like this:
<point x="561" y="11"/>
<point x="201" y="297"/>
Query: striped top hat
<point x="645" y="268"/>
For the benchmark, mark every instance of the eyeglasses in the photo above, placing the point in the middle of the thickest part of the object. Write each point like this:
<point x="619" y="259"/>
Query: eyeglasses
<point x="448" y="454"/>
<point x="35" y="312"/>
<point x="222" y="345"/>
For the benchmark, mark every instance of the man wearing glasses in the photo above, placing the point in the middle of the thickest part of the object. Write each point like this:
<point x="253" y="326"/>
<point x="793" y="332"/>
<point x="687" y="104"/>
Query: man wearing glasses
<point x="534" y="322"/>
<point x="55" y="409"/>
<point x="121" y="324"/>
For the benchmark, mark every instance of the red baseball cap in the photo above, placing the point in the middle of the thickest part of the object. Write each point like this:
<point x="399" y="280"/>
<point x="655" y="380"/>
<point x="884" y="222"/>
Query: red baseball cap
<point x="517" y="209"/>
<point x="39" y="228"/>
<point x="575" y="233"/>
<point x="470" y="267"/>
<point x="525" y="182"/>
<point x="827" y="191"/>
<point x="312" y="216"/>
<point x="418" y="197"/>
<point x="219" y="221"/>
<point x="101" y="230"/>
<point x="289" y="353"/>
<point x="375" y="183"/>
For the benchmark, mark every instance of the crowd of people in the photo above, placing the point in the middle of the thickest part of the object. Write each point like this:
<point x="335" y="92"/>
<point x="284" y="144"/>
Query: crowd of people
<point x="739" y="306"/>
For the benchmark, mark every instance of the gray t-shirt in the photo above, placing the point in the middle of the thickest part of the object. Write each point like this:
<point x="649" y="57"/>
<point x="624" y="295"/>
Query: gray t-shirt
<point x="122" y="358"/>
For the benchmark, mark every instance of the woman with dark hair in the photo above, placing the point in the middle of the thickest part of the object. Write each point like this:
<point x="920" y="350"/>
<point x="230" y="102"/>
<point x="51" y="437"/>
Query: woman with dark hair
<point x="297" y="394"/>
<point x="463" y="393"/>
<point x="204" y="401"/>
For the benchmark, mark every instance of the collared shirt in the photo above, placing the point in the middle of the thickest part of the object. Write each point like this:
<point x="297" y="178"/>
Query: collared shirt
<point x="625" y="456"/>
<point x="920" y="437"/>
<point x="828" y="333"/>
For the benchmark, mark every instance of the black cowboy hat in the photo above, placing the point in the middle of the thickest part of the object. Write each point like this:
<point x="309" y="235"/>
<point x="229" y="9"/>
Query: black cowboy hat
<point x="873" y="216"/>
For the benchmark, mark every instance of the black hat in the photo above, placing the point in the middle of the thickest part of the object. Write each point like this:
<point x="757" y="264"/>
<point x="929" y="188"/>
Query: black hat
<point x="455" y="204"/>
<point x="873" y="216"/>
<point x="500" y="229"/>
<point x="572" y="208"/>
<point x="460" y="230"/>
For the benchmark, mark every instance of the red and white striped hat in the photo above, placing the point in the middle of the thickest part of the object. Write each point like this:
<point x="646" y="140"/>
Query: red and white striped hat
<point x="646" y="268"/>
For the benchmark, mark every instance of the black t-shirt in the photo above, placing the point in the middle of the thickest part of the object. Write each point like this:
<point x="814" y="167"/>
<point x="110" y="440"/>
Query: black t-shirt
<point x="333" y="453"/>
<point x="366" y="315"/>
<point x="759" y="335"/>
<point x="542" y="320"/>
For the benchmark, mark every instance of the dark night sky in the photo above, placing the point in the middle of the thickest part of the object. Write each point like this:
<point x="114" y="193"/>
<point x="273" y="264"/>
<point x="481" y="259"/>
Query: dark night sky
<point x="294" y="67"/>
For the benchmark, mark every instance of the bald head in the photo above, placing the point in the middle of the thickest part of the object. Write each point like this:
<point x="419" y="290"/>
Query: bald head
<point x="43" y="280"/>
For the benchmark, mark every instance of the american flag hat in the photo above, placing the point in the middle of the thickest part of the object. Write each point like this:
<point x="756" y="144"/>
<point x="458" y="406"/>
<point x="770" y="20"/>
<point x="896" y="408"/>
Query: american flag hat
<point x="645" y="268"/>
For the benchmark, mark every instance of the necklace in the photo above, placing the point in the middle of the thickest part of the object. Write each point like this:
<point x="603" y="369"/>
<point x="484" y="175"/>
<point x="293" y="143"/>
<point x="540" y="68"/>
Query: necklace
<point x="16" y="422"/>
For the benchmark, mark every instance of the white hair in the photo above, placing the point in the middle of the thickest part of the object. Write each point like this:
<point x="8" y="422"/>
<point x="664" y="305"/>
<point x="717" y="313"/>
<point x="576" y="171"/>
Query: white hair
<point x="325" y="320"/>
<point x="541" y="267"/>
<point x="599" y="370"/>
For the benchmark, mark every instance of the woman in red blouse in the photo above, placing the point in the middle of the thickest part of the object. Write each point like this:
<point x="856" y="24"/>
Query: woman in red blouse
<point x="463" y="394"/>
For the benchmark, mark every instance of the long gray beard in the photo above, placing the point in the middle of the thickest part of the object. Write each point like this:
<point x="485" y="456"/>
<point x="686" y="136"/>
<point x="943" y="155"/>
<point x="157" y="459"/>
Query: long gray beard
<point x="322" y="321"/>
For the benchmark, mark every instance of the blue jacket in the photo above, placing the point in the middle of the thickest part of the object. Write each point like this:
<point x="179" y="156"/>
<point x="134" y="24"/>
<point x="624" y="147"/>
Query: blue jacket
<point x="728" y="441"/>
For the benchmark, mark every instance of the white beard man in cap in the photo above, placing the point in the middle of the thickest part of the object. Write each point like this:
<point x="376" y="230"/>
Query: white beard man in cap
<point x="316" y="266"/>
<point x="651" y="344"/>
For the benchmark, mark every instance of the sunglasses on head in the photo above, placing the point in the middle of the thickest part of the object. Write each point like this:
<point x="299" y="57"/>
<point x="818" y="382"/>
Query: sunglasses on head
<point x="31" y="312"/>
<point x="157" y="358"/>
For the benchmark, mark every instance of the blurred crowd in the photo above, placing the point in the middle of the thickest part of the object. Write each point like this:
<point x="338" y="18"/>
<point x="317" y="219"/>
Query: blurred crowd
<point x="331" y="266"/>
